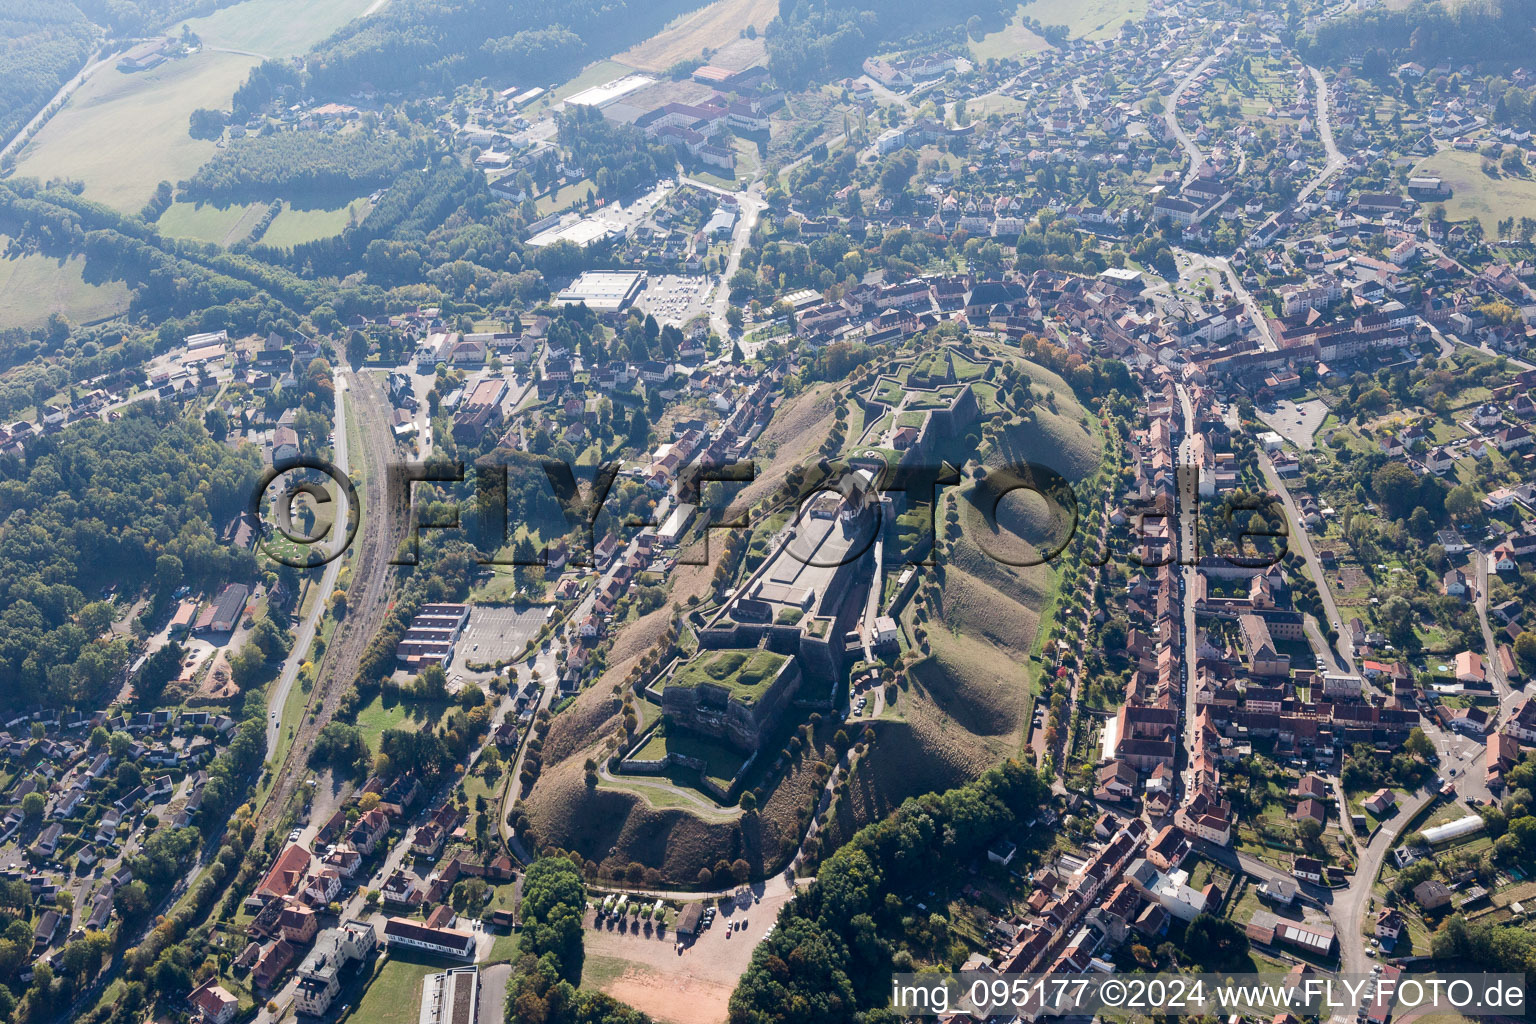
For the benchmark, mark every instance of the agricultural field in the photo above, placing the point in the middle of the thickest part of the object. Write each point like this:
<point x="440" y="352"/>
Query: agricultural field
<point x="1476" y="194"/>
<point x="204" y="222"/>
<point x="34" y="286"/>
<point x="1011" y="41"/>
<point x="275" y="28"/>
<point x="708" y="28"/>
<point x="296" y="226"/>
<point x="123" y="134"/>
<point x="1091" y="19"/>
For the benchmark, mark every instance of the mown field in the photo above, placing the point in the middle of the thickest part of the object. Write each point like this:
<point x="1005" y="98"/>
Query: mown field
<point x="295" y="226"/>
<point x="1475" y="194"/>
<point x="709" y="27"/>
<point x="1011" y="41"/>
<point x="1092" y="19"/>
<point x="204" y="222"/>
<point x="32" y="287"/>
<point x="275" y="28"/>
<point x="122" y="134"/>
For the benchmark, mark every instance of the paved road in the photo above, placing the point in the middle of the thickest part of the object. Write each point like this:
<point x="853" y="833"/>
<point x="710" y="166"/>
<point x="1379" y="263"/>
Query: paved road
<point x="1345" y="649"/>
<point x="1335" y="162"/>
<point x="306" y="632"/>
<point x="1189" y="554"/>
<point x="1171" y="116"/>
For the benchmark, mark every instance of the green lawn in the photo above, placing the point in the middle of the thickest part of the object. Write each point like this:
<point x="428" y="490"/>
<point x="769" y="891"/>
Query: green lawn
<point x="204" y="222"/>
<point x="295" y="227"/>
<point x="31" y="287"/>
<point x="744" y="673"/>
<point x="122" y="134"/>
<point x="721" y="762"/>
<point x="375" y="717"/>
<point x="1475" y="194"/>
<point x="564" y="197"/>
<point x="395" y="995"/>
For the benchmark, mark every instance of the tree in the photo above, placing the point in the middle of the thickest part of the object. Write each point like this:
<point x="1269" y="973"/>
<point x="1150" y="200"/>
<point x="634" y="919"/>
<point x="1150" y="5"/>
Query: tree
<point x="1419" y="745"/>
<point x="33" y="805"/>
<point x="357" y="348"/>
<point x="1461" y="502"/>
<point x="554" y="900"/>
<point x="1217" y="943"/>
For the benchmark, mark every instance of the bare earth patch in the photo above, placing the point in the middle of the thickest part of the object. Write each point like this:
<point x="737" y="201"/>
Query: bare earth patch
<point x="647" y="973"/>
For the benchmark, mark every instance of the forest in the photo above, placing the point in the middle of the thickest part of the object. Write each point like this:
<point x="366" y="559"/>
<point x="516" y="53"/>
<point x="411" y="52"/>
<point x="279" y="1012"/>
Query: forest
<point x="42" y="44"/>
<point x="1501" y="30"/>
<point x="300" y="166"/>
<point x="816" y="42"/>
<point x="137" y="502"/>
<point x="432" y="44"/>
<point x="829" y="957"/>
<point x="620" y="158"/>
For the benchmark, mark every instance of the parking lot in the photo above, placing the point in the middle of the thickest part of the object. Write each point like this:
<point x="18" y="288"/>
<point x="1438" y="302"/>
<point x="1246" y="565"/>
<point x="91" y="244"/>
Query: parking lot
<point x="673" y="299"/>
<point x="495" y="634"/>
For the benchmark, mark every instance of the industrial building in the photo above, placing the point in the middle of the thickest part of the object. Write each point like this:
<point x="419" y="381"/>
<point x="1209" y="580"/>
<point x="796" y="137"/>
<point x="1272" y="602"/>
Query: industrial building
<point x="604" y="291"/>
<point x="433" y="634"/>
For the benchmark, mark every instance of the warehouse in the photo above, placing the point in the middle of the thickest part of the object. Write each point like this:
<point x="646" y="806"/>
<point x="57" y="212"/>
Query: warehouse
<point x="604" y="291"/>
<point x="223" y="615"/>
<point x="433" y="634"/>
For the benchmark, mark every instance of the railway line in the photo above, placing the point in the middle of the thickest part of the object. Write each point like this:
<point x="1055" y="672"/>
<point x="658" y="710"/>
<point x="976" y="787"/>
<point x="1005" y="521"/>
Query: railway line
<point x="369" y="583"/>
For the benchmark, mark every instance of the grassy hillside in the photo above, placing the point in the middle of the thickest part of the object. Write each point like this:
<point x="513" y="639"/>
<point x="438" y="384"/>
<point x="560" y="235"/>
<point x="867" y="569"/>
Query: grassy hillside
<point x="964" y="708"/>
<point x="33" y="286"/>
<point x="1475" y="194"/>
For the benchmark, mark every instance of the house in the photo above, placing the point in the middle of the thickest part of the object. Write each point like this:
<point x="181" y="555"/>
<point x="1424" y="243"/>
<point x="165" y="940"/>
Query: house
<point x="1469" y="669"/>
<point x="1456" y="584"/>
<point x="1380" y="801"/>
<point x="1522" y="722"/>
<point x="213" y="1003"/>
<point x="1389" y="925"/>
<point x="1312" y="810"/>
<point x="1308" y="869"/>
<point x="1116" y="781"/>
<point x="1432" y="894"/>
<point x="320" y="973"/>
<point x="298" y="924"/>
<point x="286" y="875"/>
<point x="1473" y="721"/>
<point x="1311" y="787"/>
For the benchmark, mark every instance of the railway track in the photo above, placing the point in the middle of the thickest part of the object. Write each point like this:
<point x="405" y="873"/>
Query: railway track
<point x="368" y="587"/>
